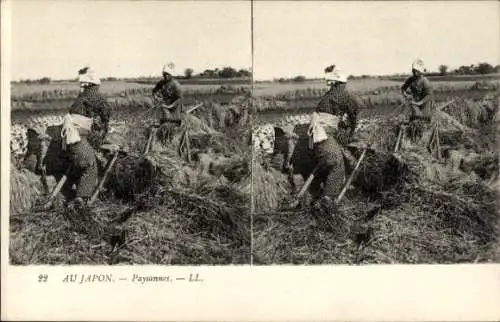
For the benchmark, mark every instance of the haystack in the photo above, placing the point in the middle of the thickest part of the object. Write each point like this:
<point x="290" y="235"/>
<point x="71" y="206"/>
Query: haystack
<point x="205" y="225"/>
<point x="468" y="112"/>
<point x="25" y="190"/>
<point x="268" y="187"/>
<point x="431" y="225"/>
<point x="382" y="135"/>
<point x="134" y="174"/>
<point x="415" y="222"/>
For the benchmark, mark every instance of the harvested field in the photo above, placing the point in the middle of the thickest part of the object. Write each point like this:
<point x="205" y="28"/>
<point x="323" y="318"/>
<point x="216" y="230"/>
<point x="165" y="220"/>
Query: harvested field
<point x="405" y="207"/>
<point x="156" y="208"/>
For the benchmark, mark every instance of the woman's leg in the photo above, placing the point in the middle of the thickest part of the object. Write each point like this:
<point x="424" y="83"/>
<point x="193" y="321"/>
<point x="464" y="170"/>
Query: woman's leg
<point x="87" y="182"/>
<point x="333" y="168"/>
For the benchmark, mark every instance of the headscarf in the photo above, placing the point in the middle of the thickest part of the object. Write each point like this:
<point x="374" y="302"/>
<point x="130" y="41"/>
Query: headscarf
<point x="418" y="64"/>
<point x="168" y="68"/>
<point x="335" y="76"/>
<point x="87" y="75"/>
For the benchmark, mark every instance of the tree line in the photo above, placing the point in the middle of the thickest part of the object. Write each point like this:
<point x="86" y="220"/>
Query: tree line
<point x="478" y="69"/>
<point x="225" y="73"/>
<point x="230" y="72"/>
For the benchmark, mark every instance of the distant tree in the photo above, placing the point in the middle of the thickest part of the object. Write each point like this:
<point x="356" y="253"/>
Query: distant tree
<point x="497" y="69"/>
<point x="299" y="78"/>
<point x="243" y="73"/>
<point x="209" y="73"/>
<point x="484" y="68"/>
<point x="188" y="72"/>
<point x="44" y="80"/>
<point x="464" y="70"/>
<point x="228" y="72"/>
<point x="443" y="69"/>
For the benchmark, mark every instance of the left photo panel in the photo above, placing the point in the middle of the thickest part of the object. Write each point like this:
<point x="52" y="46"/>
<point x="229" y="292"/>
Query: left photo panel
<point x="130" y="132"/>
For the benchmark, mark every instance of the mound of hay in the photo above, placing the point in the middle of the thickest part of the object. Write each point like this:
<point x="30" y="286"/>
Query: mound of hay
<point x="268" y="187"/>
<point x="468" y="112"/>
<point x="434" y="226"/>
<point x="235" y="169"/>
<point x="414" y="223"/>
<point x="196" y="125"/>
<point x="382" y="135"/>
<point x="379" y="172"/>
<point x="215" y="143"/>
<point x="319" y="235"/>
<point x="134" y="174"/>
<point x="25" y="190"/>
<point x="486" y="165"/>
<point x="167" y="226"/>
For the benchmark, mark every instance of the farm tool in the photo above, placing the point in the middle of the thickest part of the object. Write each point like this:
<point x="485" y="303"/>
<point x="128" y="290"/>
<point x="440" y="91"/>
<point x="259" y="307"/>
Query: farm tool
<point x="104" y="177"/>
<point x="342" y="193"/>
<point x="47" y="204"/>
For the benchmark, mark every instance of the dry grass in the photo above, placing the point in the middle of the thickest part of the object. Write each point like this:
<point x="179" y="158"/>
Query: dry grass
<point x="415" y="221"/>
<point x="26" y="189"/>
<point x="406" y="208"/>
<point x="157" y="209"/>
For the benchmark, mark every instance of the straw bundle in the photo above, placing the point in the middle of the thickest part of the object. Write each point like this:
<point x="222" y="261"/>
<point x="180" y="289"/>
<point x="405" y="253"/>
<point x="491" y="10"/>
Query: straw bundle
<point x="25" y="190"/>
<point x="468" y="112"/>
<point x="134" y="174"/>
<point x="382" y="135"/>
<point x="215" y="143"/>
<point x="268" y="187"/>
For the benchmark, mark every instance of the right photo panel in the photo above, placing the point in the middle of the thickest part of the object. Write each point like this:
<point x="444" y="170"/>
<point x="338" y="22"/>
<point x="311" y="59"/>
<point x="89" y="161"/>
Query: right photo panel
<point x="375" y="132"/>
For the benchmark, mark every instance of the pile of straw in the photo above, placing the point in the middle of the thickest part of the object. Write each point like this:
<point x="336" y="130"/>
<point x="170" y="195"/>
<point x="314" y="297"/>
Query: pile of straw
<point x="269" y="187"/>
<point x="166" y="226"/>
<point x="25" y="189"/>
<point x="134" y="174"/>
<point x="382" y="135"/>
<point x="323" y="234"/>
<point x="222" y="116"/>
<point x="434" y="225"/>
<point x="413" y="223"/>
<point x="469" y="113"/>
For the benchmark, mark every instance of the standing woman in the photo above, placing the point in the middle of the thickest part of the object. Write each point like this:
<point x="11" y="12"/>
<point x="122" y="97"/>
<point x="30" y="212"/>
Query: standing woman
<point x="92" y="104"/>
<point x="330" y="168"/>
<point x="339" y="101"/>
<point x="82" y="159"/>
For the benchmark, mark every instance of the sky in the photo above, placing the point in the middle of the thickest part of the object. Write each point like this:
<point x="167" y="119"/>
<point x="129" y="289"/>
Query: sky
<point x="55" y="38"/>
<point x="126" y="38"/>
<point x="302" y="38"/>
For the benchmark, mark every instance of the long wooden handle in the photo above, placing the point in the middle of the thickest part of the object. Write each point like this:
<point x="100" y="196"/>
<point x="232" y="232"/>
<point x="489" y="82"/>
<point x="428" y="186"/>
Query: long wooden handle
<point x="58" y="187"/>
<point x="194" y="108"/>
<point x="151" y="133"/>
<point x="307" y="183"/>
<point x="101" y="183"/>
<point x="399" y="139"/>
<point x="351" y="177"/>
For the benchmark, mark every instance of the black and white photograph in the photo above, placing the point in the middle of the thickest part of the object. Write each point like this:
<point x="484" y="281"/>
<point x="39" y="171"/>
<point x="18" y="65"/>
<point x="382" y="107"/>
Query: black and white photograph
<point x="376" y="132"/>
<point x="130" y="138"/>
<point x="237" y="160"/>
